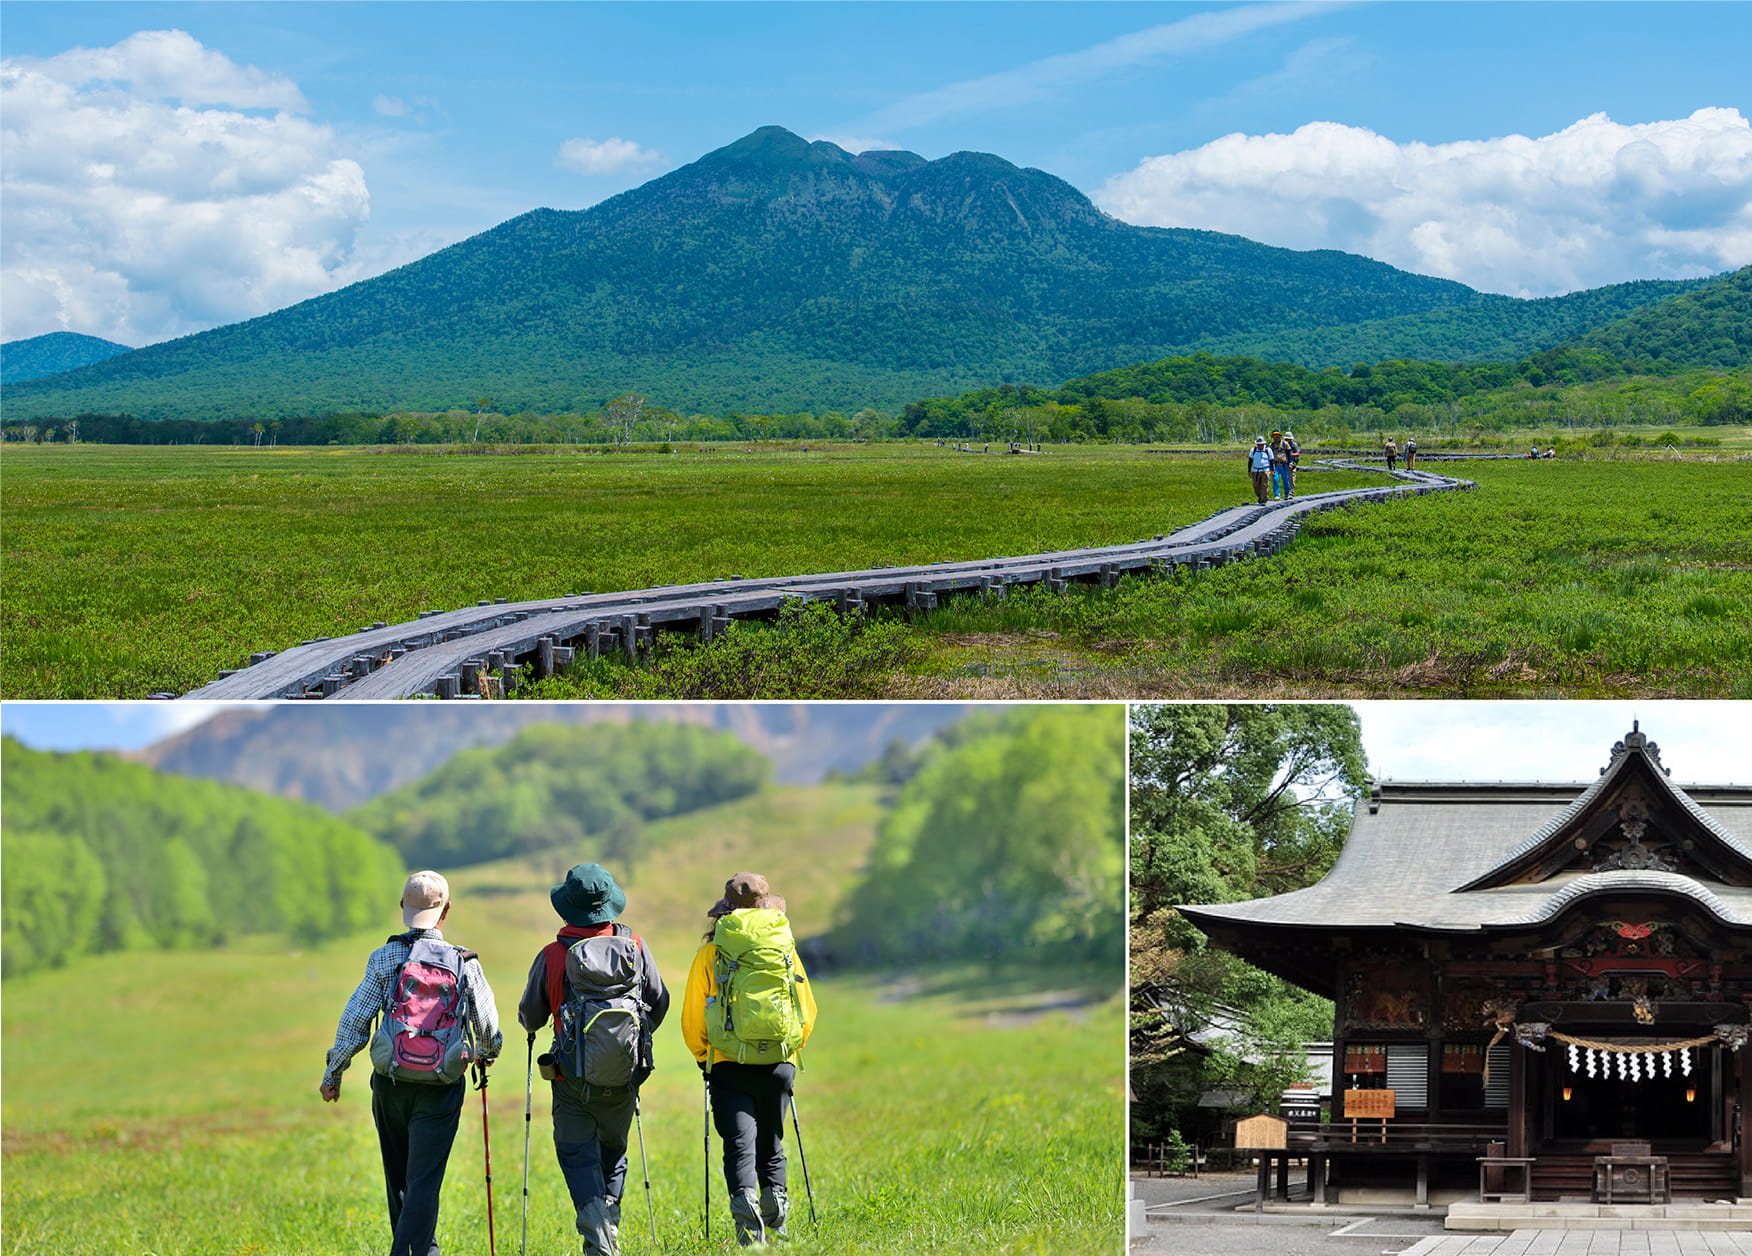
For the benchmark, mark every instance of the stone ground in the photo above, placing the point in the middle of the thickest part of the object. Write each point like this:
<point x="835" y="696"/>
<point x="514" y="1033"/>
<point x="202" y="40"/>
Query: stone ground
<point x="1196" y="1217"/>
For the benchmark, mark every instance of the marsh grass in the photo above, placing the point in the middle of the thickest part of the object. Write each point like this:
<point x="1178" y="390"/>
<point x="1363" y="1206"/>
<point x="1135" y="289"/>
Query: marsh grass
<point x="136" y="569"/>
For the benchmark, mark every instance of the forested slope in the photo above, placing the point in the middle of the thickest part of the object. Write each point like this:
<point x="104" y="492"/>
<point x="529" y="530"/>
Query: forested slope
<point x="104" y="855"/>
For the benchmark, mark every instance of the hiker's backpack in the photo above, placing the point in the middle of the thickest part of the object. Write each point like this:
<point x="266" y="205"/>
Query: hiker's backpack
<point x="604" y="1035"/>
<point x="424" y="1033"/>
<point x="756" y="1017"/>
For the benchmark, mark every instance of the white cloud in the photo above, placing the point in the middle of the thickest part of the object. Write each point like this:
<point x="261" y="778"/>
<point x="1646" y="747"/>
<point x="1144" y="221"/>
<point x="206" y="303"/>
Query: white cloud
<point x="1598" y="202"/>
<point x="133" y="211"/>
<point x="610" y="156"/>
<point x="856" y="144"/>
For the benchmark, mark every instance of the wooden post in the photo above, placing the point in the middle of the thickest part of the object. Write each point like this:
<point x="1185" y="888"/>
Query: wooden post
<point x="1743" y="1131"/>
<point x="544" y="657"/>
<point x="1517" y="1103"/>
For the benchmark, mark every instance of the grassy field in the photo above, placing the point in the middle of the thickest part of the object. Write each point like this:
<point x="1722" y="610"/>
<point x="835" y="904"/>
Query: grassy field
<point x="134" y="569"/>
<point x="948" y="1110"/>
<point x="1613" y="577"/>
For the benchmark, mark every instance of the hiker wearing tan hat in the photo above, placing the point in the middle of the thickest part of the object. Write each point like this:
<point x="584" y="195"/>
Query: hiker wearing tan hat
<point x="599" y="985"/>
<point x="434" y="1016"/>
<point x="746" y="1015"/>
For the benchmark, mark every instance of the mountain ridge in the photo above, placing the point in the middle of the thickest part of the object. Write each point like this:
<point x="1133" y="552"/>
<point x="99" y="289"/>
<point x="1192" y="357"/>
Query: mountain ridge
<point x="770" y="275"/>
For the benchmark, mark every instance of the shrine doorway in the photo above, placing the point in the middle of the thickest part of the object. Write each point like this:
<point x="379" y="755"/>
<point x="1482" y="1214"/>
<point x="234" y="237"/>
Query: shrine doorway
<point x="1675" y="1110"/>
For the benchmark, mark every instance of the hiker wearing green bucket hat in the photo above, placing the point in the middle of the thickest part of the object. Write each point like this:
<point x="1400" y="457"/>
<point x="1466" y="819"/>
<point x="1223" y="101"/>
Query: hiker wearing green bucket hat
<point x="598" y="985"/>
<point x="747" y="1012"/>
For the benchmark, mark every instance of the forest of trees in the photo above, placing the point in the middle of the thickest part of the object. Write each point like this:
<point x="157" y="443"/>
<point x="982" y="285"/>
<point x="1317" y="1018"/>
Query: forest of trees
<point x="589" y="789"/>
<point x="1228" y="802"/>
<point x="105" y="855"/>
<point x="1007" y="839"/>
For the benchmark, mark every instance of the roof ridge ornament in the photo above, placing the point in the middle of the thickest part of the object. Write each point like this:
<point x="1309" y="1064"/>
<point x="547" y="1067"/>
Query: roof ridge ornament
<point x="1636" y="740"/>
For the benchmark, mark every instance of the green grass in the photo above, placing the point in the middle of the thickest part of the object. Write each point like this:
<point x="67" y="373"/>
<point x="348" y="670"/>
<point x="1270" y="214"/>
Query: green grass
<point x="955" y="1110"/>
<point x="1565" y="579"/>
<point x="134" y="569"/>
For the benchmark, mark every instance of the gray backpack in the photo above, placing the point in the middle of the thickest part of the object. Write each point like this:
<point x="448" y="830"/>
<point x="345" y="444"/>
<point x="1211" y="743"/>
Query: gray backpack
<point x="604" y="1034"/>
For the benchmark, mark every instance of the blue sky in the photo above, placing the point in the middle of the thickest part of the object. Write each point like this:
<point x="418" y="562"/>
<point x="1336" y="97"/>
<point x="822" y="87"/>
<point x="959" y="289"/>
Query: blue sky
<point x="196" y="164"/>
<point x="1702" y="742"/>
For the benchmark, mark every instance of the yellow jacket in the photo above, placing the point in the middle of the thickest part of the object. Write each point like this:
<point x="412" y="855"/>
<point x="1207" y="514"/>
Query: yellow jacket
<point x="702" y="984"/>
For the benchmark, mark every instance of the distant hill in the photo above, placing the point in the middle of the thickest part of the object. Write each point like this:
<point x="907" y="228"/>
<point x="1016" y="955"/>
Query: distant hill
<point x="1490" y="329"/>
<point x="771" y="275"/>
<point x="568" y="788"/>
<point x="48" y="355"/>
<point x="1711" y="325"/>
<point x="105" y="855"/>
<point x="341" y="756"/>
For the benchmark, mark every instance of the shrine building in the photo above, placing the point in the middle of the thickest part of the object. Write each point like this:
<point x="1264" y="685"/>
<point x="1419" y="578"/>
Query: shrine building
<point x="1553" y="983"/>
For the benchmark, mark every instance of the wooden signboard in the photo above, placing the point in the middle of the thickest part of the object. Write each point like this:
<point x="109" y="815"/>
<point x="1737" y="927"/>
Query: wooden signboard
<point x="1261" y="1131"/>
<point x="1368" y="1105"/>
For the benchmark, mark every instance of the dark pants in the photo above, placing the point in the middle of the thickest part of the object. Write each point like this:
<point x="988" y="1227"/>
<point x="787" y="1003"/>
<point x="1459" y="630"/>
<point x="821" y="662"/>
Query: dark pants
<point x="416" y="1125"/>
<point x="590" y="1138"/>
<point x="748" y="1108"/>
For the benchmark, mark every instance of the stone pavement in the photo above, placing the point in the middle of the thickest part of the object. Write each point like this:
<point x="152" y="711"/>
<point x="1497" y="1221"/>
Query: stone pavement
<point x="1589" y="1243"/>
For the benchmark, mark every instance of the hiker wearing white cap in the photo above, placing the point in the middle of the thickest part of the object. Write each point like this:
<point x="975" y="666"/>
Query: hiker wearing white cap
<point x="434" y="1016"/>
<point x="1259" y="467"/>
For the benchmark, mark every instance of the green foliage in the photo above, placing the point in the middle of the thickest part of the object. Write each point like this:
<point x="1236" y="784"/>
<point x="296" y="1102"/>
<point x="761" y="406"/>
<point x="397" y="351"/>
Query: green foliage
<point x="1228" y="802"/>
<point x="102" y="855"/>
<point x="1009" y="842"/>
<point x="809" y="653"/>
<point x="586" y="789"/>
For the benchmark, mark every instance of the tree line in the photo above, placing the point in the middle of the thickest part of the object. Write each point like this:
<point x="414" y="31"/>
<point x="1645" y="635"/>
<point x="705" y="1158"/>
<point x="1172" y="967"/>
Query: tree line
<point x="105" y="855"/>
<point x="589" y="788"/>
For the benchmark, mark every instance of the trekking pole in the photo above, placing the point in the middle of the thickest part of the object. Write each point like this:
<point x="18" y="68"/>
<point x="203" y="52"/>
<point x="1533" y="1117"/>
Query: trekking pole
<point x="487" y="1150"/>
<point x="706" y="1156"/>
<point x="645" y="1168"/>
<point x="528" y="1096"/>
<point x="804" y="1161"/>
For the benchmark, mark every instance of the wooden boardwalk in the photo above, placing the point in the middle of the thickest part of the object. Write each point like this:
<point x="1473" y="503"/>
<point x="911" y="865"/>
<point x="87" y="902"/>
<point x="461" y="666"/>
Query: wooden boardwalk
<point x="446" y="653"/>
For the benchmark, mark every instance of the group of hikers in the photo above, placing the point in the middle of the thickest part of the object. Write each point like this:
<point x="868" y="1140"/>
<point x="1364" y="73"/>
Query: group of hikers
<point x="1273" y="460"/>
<point x="427" y="1013"/>
<point x="1272" y="464"/>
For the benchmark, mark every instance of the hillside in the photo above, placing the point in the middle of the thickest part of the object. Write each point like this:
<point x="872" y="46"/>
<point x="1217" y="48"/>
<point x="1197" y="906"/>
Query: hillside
<point x="1709" y="326"/>
<point x="341" y="756"/>
<point x="48" y="355"/>
<point x="553" y="786"/>
<point x="103" y="855"/>
<point x="770" y="275"/>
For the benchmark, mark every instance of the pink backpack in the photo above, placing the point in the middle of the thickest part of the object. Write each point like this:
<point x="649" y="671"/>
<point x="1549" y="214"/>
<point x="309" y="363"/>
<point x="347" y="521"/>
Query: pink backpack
<point x="424" y="1033"/>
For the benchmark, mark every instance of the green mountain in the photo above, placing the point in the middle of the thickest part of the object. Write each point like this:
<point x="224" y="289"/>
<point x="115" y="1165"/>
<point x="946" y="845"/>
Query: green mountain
<point x="49" y="355"/>
<point x="104" y="855"/>
<point x="777" y="275"/>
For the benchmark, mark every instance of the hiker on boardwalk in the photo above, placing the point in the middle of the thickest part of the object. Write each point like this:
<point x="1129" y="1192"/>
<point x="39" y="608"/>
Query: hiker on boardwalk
<point x="1259" y="468"/>
<point x="1392" y="452"/>
<point x="1285" y="454"/>
<point x="1410" y="453"/>
<point x="435" y="1016"/>
<point x="747" y="1013"/>
<point x="599" y="985"/>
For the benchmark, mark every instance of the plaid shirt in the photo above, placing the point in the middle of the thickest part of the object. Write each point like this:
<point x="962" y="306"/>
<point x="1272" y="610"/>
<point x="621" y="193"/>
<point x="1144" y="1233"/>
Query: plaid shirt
<point x="368" y="1001"/>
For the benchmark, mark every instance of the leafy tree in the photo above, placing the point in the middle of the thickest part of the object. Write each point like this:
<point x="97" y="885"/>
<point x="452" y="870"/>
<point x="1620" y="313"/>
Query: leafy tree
<point x="1007" y="841"/>
<point x="1228" y="802"/>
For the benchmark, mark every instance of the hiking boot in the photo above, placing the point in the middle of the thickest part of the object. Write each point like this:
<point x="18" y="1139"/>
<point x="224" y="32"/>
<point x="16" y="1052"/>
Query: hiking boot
<point x="745" y="1212"/>
<point x="599" y="1234"/>
<point x="774" y="1208"/>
